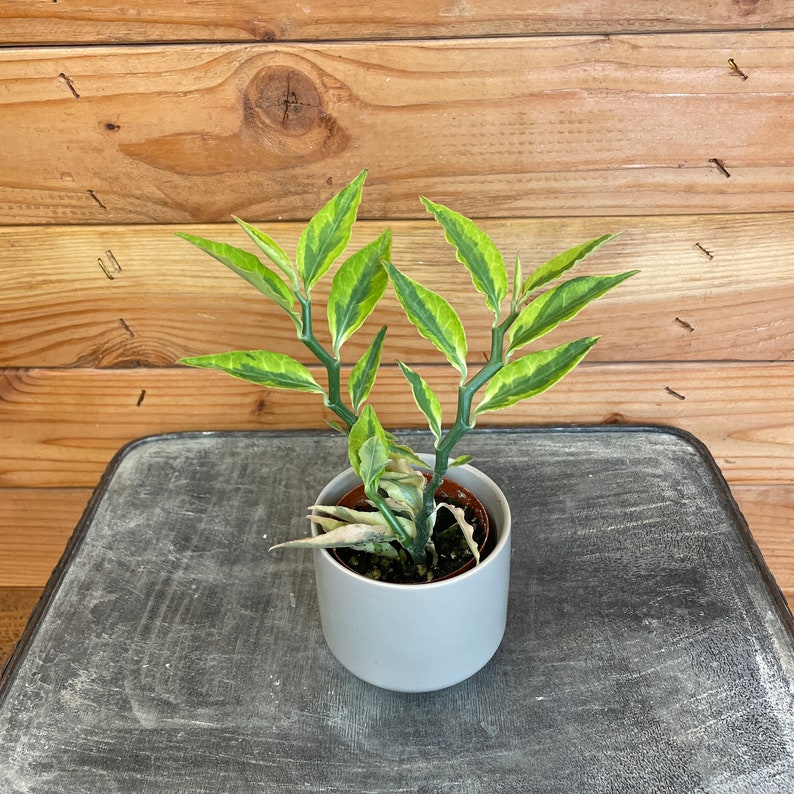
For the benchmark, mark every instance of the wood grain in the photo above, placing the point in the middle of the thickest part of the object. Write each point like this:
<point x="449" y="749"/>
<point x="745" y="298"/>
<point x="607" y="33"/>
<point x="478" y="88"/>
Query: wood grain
<point x="769" y="511"/>
<point x="16" y="604"/>
<point x="247" y="20"/>
<point x="61" y="427"/>
<point x="730" y="298"/>
<point x="503" y="127"/>
<point x="35" y="525"/>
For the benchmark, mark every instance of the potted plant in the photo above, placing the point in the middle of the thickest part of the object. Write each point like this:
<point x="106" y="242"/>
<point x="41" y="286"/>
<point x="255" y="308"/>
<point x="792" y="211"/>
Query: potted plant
<point x="387" y="613"/>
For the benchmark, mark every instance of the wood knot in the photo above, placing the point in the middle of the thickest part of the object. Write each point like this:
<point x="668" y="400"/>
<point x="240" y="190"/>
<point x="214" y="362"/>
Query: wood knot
<point x="285" y="98"/>
<point x="746" y="7"/>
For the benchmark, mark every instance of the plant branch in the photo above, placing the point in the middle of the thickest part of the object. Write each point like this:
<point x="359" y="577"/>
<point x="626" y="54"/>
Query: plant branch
<point x="331" y="363"/>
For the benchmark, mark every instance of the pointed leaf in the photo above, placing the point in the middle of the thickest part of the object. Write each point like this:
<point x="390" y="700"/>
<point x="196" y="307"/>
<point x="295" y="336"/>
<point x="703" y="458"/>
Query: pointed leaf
<point x="365" y="427"/>
<point x="347" y="515"/>
<point x="401" y="452"/>
<point x="561" y="263"/>
<point x="532" y="374"/>
<point x="260" y="366"/>
<point x="347" y="535"/>
<point x="476" y="251"/>
<point x="362" y="377"/>
<point x="461" y="460"/>
<point x="425" y="398"/>
<point x="465" y="527"/>
<point x="517" y="284"/>
<point x="432" y="316"/>
<point x="560" y="304"/>
<point x="405" y="489"/>
<point x="274" y="252"/>
<point x="328" y="232"/>
<point x="373" y="455"/>
<point x="357" y="287"/>
<point x="249" y="267"/>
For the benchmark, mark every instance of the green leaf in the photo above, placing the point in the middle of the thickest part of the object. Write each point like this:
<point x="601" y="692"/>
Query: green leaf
<point x="366" y="427"/>
<point x="260" y="366"/>
<point x="249" y="267"/>
<point x="274" y="252"/>
<point x="461" y="460"/>
<point x="328" y="233"/>
<point x="362" y="377"/>
<point x="560" y="304"/>
<point x="357" y="287"/>
<point x="517" y="285"/>
<point x="426" y="399"/>
<point x="401" y="452"/>
<point x="407" y="488"/>
<point x="373" y="456"/>
<point x="561" y="263"/>
<point x="532" y="374"/>
<point x="476" y="251"/>
<point x="433" y="317"/>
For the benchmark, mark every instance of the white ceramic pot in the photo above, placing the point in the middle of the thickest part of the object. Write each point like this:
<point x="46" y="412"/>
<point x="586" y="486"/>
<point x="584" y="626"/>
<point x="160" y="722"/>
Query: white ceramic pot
<point x="417" y="637"/>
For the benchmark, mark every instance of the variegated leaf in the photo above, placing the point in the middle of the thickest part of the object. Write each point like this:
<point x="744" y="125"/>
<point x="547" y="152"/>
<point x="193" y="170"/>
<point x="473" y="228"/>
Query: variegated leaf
<point x="432" y="316"/>
<point x="425" y="398"/>
<point x="362" y="376"/>
<point x="532" y="374"/>
<point x="248" y="267"/>
<point x="558" y="305"/>
<point x="275" y="370"/>
<point x="356" y="289"/>
<point x="347" y="535"/>
<point x="367" y="427"/>
<point x="328" y="233"/>
<point x="475" y="251"/>
<point x="561" y="263"/>
<point x="465" y="527"/>
<point x="272" y="250"/>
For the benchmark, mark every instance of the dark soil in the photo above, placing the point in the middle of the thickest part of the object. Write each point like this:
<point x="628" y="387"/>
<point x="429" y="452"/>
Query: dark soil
<point x="451" y="547"/>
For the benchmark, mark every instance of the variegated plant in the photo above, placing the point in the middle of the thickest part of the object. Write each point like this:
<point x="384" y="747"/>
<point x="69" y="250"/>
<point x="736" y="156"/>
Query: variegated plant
<point x="522" y="312"/>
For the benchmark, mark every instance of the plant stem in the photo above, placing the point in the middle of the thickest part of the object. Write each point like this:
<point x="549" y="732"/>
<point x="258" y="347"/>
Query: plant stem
<point x="462" y="425"/>
<point x="331" y="363"/>
<point x="334" y="401"/>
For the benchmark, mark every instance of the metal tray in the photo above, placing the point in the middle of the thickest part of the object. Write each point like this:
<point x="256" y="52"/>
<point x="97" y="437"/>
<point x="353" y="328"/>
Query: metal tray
<point x="647" y="648"/>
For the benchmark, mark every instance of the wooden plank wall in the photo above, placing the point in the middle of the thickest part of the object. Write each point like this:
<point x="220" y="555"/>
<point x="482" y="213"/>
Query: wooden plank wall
<point x="121" y="123"/>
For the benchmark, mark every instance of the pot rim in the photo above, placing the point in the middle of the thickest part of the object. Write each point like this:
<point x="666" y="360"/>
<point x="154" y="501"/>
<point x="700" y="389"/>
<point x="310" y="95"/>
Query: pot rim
<point x="502" y="536"/>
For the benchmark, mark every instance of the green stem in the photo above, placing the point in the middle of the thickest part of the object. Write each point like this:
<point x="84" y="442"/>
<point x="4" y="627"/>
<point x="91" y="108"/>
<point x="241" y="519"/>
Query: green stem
<point x="331" y="363"/>
<point x="462" y="425"/>
<point x="334" y="401"/>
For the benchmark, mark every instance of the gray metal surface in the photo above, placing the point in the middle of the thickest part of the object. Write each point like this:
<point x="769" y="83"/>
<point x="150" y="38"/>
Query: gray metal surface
<point x="645" y="648"/>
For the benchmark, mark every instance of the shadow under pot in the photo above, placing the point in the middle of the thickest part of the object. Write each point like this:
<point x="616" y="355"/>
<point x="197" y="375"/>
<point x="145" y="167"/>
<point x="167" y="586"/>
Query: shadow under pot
<point x="418" y="637"/>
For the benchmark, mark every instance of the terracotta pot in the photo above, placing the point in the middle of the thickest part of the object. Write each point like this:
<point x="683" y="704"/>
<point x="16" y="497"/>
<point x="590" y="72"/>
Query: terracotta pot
<point x="417" y="638"/>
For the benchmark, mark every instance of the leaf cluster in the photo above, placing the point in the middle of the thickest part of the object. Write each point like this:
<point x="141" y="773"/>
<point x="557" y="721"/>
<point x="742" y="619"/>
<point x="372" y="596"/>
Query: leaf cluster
<point x="522" y="313"/>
